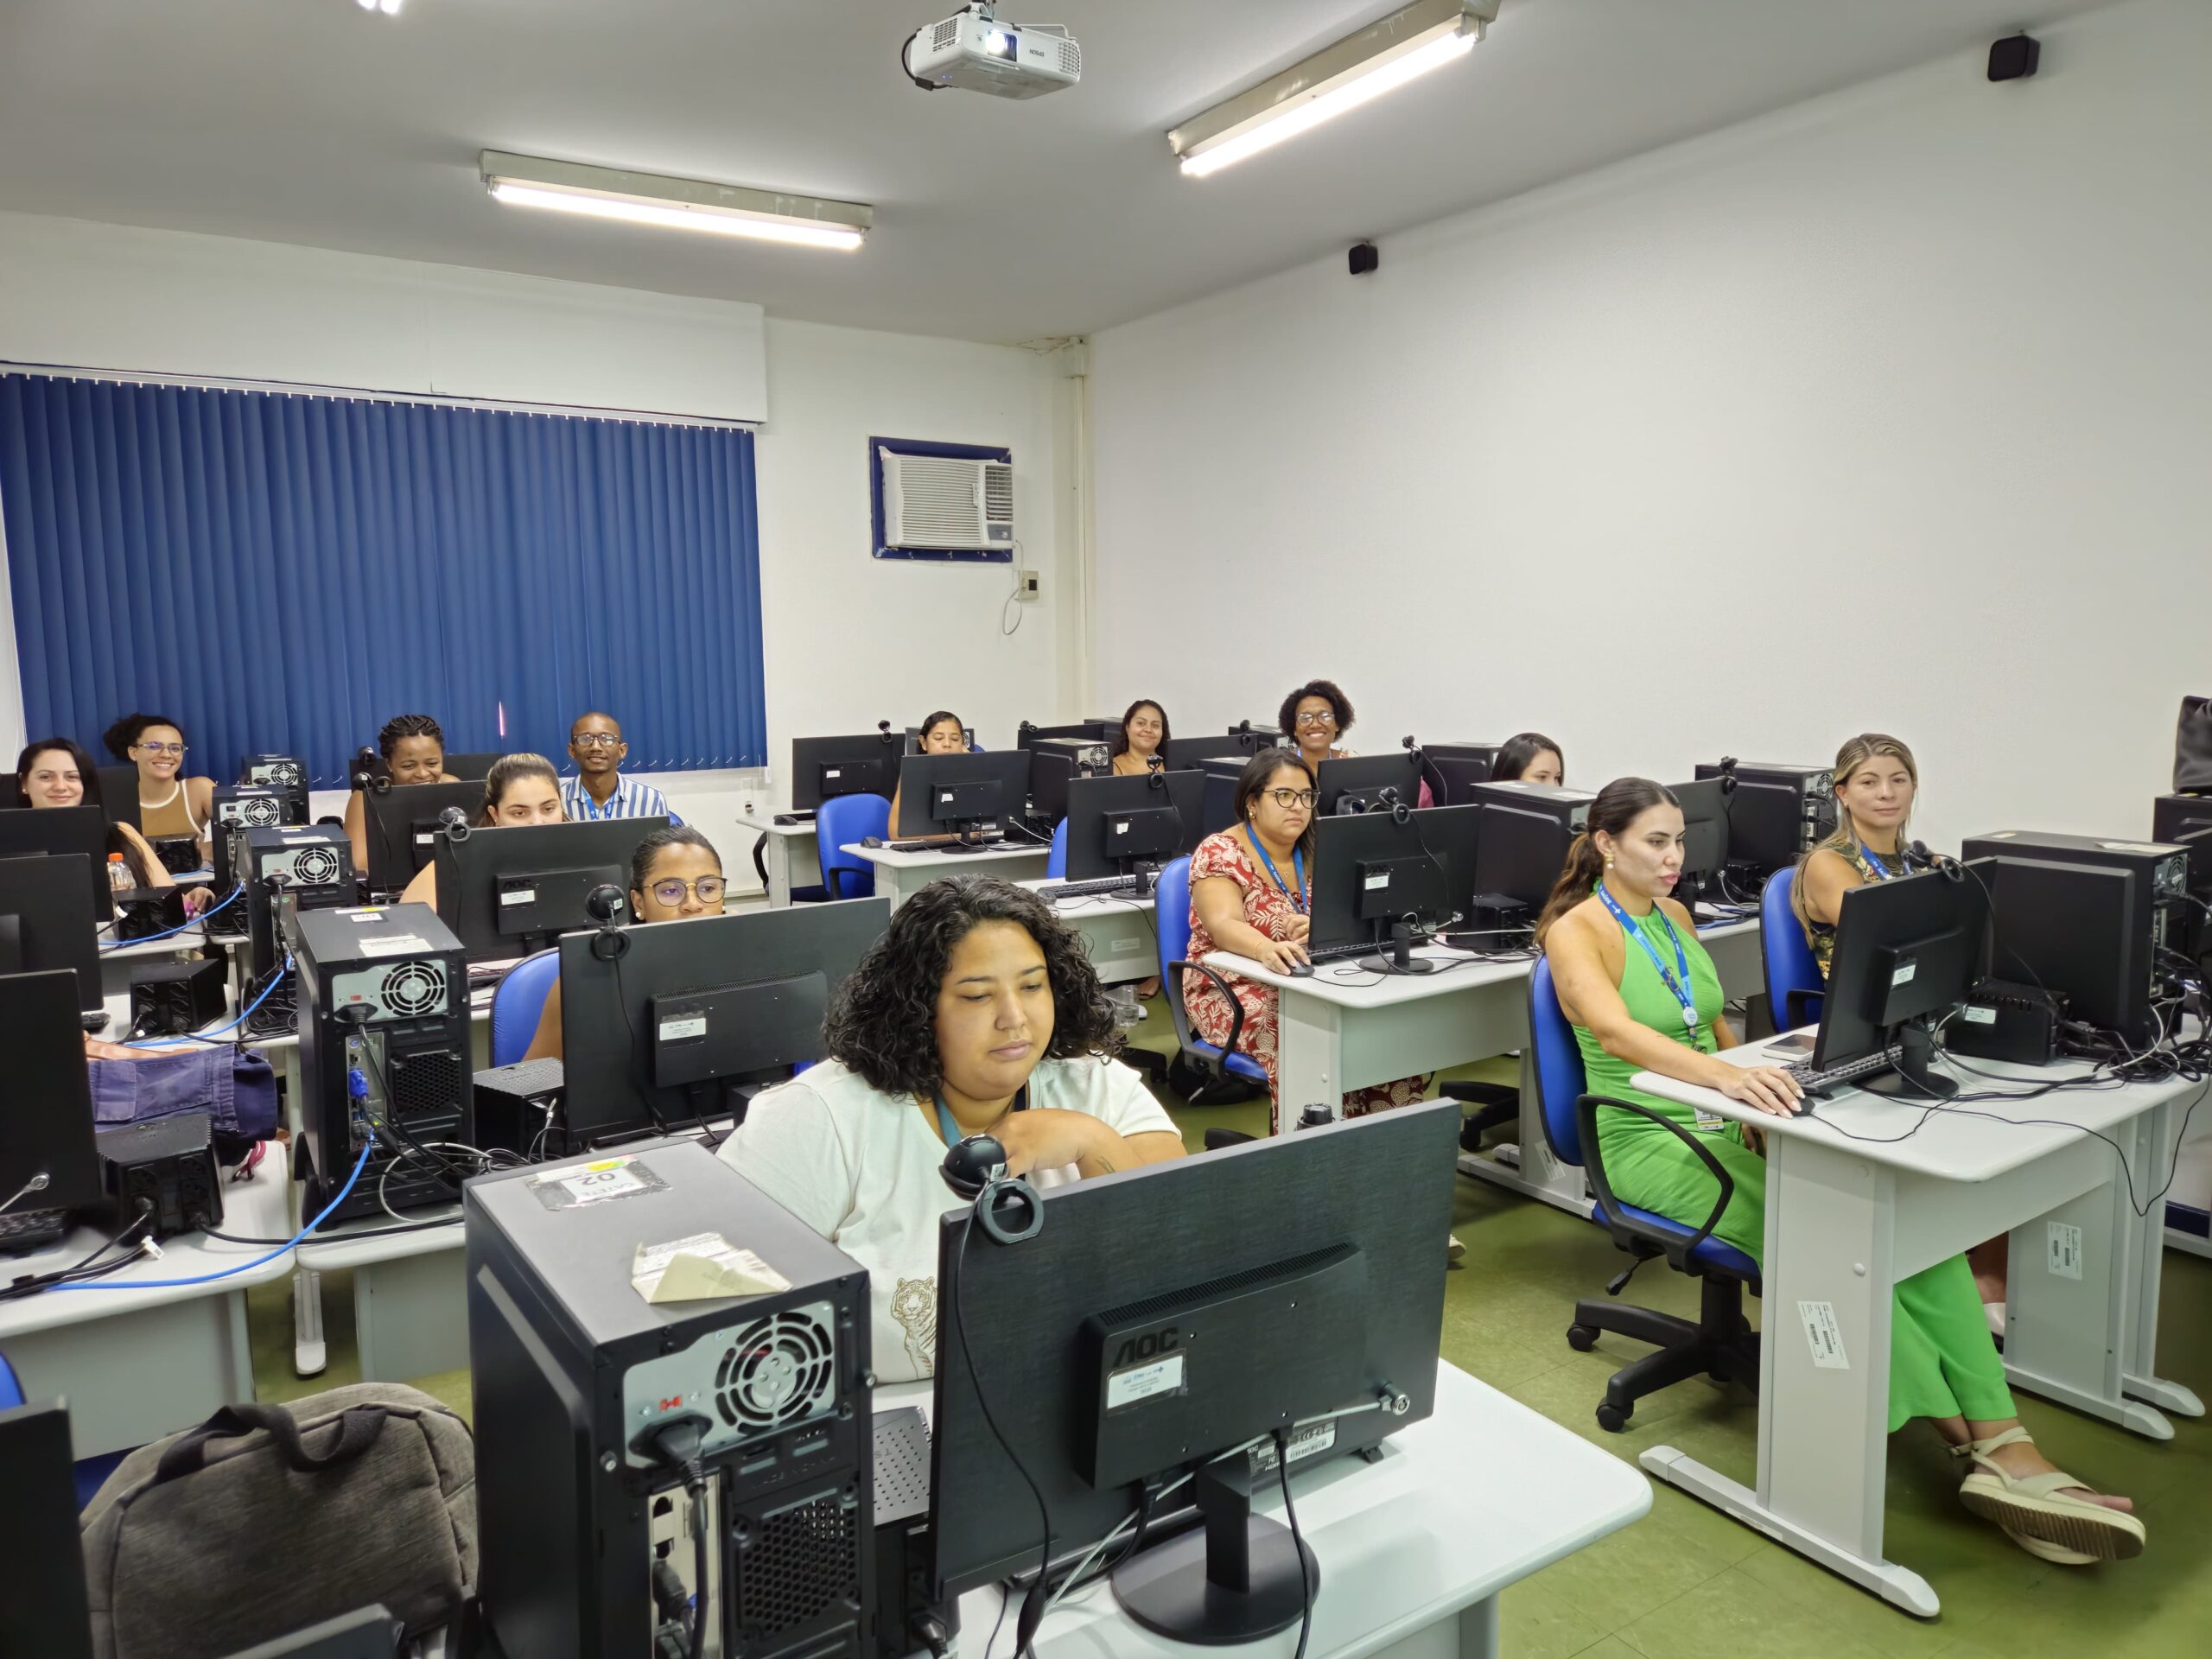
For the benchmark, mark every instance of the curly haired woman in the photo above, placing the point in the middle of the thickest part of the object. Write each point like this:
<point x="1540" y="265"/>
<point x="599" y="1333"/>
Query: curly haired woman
<point x="977" y="1013"/>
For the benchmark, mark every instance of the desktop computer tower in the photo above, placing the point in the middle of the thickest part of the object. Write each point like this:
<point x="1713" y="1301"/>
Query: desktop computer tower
<point x="589" y="1537"/>
<point x="383" y="1001"/>
<point x="309" y="867"/>
<point x="1777" y="813"/>
<point x="1053" y="760"/>
<point x="2186" y="821"/>
<point x="2097" y="942"/>
<point x="233" y="809"/>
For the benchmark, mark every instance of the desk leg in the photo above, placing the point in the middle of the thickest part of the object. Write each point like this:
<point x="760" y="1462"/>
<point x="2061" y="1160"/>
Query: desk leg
<point x="1535" y="1172"/>
<point x="2156" y="1133"/>
<point x="1309" y="1055"/>
<point x="1478" y="1629"/>
<point x="410" y="1317"/>
<point x="1823" y="1449"/>
<point x="777" y="855"/>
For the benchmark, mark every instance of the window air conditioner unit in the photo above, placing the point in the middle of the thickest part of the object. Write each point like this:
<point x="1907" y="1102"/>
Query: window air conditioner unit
<point x="947" y="505"/>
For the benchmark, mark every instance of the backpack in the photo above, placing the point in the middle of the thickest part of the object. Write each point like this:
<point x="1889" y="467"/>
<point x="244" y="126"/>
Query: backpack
<point x="263" y="1518"/>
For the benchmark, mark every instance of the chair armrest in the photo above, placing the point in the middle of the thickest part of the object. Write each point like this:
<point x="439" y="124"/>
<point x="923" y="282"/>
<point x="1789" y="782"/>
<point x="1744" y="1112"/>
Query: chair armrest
<point x="1677" y="1250"/>
<point x="1235" y="1008"/>
<point x="760" y="857"/>
<point x="1802" y="1008"/>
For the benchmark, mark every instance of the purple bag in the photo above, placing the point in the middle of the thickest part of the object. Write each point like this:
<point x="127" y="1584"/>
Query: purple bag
<point x="236" y="1087"/>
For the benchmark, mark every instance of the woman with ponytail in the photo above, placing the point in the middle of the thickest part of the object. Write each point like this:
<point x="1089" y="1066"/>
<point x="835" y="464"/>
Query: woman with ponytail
<point x="1643" y="996"/>
<point x="1876" y="778"/>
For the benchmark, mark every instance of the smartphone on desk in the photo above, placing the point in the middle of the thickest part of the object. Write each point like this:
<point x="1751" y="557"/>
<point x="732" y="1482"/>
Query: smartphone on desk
<point x="1796" y="1042"/>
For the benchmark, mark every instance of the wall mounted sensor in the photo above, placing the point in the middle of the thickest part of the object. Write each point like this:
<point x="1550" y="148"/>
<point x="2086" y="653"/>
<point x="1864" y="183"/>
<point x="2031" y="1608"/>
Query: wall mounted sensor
<point x="2015" y="57"/>
<point x="1364" y="257"/>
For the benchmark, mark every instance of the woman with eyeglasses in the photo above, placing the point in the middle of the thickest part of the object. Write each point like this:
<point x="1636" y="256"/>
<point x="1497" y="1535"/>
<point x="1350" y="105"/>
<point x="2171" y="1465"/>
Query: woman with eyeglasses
<point x="1251" y="889"/>
<point x="170" y="804"/>
<point x="675" y="874"/>
<point x="1314" y="716"/>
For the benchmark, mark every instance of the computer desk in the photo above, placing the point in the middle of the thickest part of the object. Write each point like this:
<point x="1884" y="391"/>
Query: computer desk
<point x="1413" y="1549"/>
<point x="900" y="876"/>
<point x="791" y="847"/>
<point x="136" y="1364"/>
<point x="1347" y="1028"/>
<point x="1847" y="1219"/>
<point x="1118" y="932"/>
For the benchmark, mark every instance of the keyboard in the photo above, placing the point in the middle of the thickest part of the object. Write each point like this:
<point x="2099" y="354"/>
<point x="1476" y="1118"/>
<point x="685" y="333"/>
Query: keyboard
<point x="24" y="1230"/>
<point x="1823" y="1081"/>
<point x="938" y="846"/>
<point x="1120" y="886"/>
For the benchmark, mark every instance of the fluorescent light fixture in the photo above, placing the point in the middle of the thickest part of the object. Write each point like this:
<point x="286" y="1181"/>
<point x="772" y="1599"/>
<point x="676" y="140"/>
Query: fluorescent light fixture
<point x="390" y="8"/>
<point x="680" y="204"/>
<point x="1357" y="70"/>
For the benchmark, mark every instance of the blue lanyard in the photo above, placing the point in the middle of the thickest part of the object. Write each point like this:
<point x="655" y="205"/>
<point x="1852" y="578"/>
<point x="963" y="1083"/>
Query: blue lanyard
<point x="1298" y="865"/>
<point x="948" y="1126"/>
<point x="1680" y="987"/>
<point x="1881" y="871"/>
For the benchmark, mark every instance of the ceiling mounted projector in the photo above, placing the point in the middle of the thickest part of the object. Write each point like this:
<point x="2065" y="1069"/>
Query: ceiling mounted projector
<point x="976" y="53"/>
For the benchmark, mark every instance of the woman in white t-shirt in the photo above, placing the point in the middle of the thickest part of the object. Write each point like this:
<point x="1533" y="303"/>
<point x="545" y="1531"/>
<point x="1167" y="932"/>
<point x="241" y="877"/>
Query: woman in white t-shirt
<point x="977" y="1013"/>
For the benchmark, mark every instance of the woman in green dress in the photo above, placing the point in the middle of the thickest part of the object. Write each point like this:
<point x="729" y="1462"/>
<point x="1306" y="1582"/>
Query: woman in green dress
<point x="1643" y="996"/>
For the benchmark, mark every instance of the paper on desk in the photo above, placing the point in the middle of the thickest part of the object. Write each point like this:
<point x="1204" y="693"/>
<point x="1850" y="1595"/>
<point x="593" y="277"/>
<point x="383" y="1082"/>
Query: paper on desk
<point x="702" y="1266"/>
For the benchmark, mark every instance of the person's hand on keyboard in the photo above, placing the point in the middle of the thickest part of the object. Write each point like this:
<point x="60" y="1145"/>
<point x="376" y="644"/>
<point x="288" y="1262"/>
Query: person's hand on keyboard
<point x="1768" y="1088"/>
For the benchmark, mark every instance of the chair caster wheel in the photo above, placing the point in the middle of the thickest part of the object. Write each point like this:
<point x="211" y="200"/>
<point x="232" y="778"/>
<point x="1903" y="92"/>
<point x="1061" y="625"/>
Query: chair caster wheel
<point x="1581" y="1337"/>
<point x="1611" y="1420"/>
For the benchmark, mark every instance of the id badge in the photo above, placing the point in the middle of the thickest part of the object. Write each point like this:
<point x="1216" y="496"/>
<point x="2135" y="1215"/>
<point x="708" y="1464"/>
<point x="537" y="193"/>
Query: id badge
<point x="1709" y="1120"/>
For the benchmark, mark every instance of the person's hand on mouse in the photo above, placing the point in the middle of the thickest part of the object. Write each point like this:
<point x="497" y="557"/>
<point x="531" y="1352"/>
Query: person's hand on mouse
<point x="1767" y="1088"/>
<point x="1277" y="956"/>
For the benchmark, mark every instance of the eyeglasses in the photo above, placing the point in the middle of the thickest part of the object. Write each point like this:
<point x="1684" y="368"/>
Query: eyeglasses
<point x="176" y="749"/>
<point x="1322" y="718"/>
<point x="707" y="889"/>
<point x="597" y="741"/>
<point x="1286" y="799"/>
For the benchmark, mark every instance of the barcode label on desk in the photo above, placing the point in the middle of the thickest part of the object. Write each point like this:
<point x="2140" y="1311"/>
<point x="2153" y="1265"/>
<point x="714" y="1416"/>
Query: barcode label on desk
<point x="1307" y="1442"/>
<point x="2065" y="1245"/>
<point x="1824" y="1336"/>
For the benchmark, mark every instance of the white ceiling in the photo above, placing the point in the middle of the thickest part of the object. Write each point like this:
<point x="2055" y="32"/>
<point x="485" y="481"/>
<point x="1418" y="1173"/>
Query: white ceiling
<point x="315" y="122"/>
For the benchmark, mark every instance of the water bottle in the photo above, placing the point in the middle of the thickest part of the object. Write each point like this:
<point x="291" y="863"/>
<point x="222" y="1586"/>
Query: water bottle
<point x="118" y="875"/>
<point x="1313" y="1117"/>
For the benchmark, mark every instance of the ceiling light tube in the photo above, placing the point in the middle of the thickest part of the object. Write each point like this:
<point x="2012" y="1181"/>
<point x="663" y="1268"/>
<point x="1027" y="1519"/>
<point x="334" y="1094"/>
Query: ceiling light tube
<point x="679" y="204"/>
<point x="1357" y="70"/>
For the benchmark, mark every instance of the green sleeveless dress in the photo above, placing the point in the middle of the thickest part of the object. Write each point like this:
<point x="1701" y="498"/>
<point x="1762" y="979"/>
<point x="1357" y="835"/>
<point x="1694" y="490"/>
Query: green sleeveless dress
<point x="1942" y="1361"/>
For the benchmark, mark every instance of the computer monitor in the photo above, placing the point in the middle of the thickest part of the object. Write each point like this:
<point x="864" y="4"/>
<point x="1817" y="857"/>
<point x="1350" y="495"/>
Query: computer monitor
<point x="1373" y="873"/>
<point x="41" y="1559"/>
<point x="693" y="1014"/>
<point x="945" y="794"/>
<point x="1182" y="752"/>
<point x="1906" y="951"/>
<point x="47" y="922"/>
<point x="1306" y="1282"/>
<point x="1263" y="734"/>
<point x="1705" y="839"/>
<point x="2072" y="929"/>
<point x="1125" y="826"/>
<point x="45" y="1116"/>
<point x="507" y="893"/>
<point x="65" y="831"/>
<point x="1521" y="845"/>
<point x="1358" y="783"/>
<point x="824" y="768"/>
<point x="400" y="825"/>
<point x="914" y="738"/>
<point x="1458" y="768"/>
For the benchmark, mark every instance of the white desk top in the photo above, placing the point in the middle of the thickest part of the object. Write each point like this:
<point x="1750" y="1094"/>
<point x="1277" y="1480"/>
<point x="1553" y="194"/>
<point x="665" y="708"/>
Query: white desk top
<point x="1949" y="1145"/>
<point x="1083" y="903"/>
<point x="1346" y="983"/>
<point x="260" y="1208"/>
<point x="764" y="824"/>
<point x="1472" y="1498"/>
<point x="343" y="1246"/>
<point x="950" y="863"/>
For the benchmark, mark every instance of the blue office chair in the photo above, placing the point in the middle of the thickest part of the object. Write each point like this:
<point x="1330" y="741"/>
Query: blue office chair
<point x="1719" y="1344"/>
<point x="518" y="1001"/>
<point x="1056" y="862"/>
<point x="1794" y="988"/>
<point x="799" y="895"/>
<point x="11" y="1392"/>
<point x="843" y="821"/>
<point x="1227" y="1075"/>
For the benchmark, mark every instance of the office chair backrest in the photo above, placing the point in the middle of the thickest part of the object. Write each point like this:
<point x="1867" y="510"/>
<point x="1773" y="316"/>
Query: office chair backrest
<point x="518" y="1003"/>
<point x="846" y="821"/>
<point x="1056" y="862"/>
<point x="1171" y="916"/>
<point x="1785" y="959"/>
<point x="1557" y="1062"/>
<point x="11" y="1392"/>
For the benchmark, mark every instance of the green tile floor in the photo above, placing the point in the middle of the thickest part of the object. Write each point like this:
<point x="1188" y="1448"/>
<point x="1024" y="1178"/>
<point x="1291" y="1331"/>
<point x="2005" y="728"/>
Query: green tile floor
<point x="1686" y="1582"/>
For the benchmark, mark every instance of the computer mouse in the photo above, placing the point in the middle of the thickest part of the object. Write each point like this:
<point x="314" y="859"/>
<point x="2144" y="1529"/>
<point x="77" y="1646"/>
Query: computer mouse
<point x="1302" y="971"/>
<point x="871" y="841"/>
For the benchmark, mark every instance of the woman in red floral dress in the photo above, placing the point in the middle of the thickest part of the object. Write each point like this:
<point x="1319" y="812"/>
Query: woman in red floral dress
<point x="1249" y="896"/>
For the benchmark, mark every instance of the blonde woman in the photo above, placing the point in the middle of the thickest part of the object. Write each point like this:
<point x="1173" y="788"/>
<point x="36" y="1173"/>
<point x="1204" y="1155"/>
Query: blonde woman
<point x="1876" y="781"/>
<point x="519" y="789"/>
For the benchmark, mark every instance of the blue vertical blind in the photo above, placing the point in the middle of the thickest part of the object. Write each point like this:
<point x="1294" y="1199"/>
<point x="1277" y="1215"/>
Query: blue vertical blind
<point x="283" y="573"/>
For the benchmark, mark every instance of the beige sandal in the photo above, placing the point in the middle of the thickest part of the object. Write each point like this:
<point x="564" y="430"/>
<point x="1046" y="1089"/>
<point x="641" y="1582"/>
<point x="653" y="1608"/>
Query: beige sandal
<point x="2038" y="1513"/>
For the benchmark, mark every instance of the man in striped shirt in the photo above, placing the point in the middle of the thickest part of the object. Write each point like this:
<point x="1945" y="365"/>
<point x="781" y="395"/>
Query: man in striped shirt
<point x="598" y="790"/>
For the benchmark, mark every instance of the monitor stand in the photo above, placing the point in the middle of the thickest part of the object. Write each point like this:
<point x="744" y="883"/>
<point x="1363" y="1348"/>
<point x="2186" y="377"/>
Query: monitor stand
<point x="1236" y="1579"/>
<point x="972" y="841"/>
<point x="1915" y="1076"/>
<point x="1398" y="956"/>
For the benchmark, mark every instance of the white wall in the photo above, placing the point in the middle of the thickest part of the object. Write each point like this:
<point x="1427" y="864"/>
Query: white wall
<point x="850" y="640"/>
<point x="1888" y="411"/>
